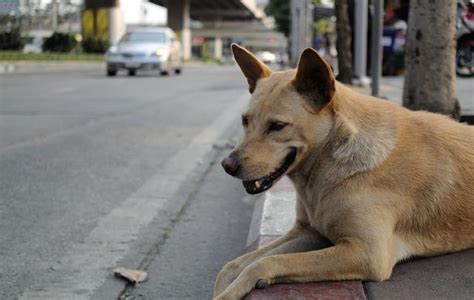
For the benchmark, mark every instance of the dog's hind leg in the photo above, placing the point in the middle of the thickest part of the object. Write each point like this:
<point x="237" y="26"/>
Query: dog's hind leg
<point x="299" y="239"/>
<point x="349" y="259"/>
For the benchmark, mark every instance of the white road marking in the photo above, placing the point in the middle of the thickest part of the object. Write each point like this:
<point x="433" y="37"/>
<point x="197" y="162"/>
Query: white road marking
<point x="86" y="265"/>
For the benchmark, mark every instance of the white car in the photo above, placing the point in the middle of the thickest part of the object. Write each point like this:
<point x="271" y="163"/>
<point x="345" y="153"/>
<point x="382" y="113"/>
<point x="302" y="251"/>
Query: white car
<point x="34" y="45"/>
<point x="148" y="48"/>
<point x="266" y="57"/>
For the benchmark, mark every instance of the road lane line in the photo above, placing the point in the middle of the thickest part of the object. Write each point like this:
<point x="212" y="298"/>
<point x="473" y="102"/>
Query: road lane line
<point x="86" y="265"/>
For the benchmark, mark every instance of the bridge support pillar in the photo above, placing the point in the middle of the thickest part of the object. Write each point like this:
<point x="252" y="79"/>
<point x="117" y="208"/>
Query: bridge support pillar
<point x="218" y="48"/>
<point x="301" y="28"/>
<point x="179" y="21"/>
<point x="360" y="41"/>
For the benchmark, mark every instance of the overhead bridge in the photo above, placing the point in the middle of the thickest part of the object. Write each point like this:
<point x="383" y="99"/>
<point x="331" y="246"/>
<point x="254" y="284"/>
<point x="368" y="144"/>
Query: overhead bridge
<point x="215" y="10"/>
<point x="222" y="22"/>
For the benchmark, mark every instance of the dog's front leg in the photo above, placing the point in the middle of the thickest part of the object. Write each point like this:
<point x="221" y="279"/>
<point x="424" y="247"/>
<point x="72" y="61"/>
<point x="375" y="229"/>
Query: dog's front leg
<point x="300" y="238"/>
<point x="349" y="259"/>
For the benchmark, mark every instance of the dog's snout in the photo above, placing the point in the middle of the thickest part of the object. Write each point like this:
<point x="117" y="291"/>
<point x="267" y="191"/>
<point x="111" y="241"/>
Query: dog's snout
<point x="231" y="164"/>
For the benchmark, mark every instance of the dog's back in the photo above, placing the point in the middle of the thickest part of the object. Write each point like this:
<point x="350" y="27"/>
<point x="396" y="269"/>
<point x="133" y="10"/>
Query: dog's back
<point x="432" y="167"/>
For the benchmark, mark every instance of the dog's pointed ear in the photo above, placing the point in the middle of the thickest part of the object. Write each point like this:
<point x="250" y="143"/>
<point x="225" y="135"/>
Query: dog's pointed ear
<point x="314" y="79"/>
<point x="252" y="68"/>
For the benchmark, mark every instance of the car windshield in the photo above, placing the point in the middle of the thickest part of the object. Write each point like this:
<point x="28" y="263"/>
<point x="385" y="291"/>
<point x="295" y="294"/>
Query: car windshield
<point x="143" y="36"/>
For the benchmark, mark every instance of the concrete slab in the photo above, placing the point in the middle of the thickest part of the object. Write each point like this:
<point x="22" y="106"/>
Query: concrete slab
<point x="441" y="277"/>
<point x="392" y="88"/>
<point x="314" y="290"/>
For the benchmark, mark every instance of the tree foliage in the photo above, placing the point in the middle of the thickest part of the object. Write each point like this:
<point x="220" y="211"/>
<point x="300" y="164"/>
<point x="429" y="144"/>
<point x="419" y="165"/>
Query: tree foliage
<point x="11" y="39"/>
<point x="94" y="45"/>
<point x="280" y="11"/>
<point x="343" y="42"/>
<point x="59" y="42"/>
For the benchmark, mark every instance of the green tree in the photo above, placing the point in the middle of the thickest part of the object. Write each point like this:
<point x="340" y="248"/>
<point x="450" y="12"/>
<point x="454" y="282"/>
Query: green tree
<point x="11" y="39"/>
<point x="60" y="42"/>
<point x="343" y="42"/>
<point x="280" y="11"/>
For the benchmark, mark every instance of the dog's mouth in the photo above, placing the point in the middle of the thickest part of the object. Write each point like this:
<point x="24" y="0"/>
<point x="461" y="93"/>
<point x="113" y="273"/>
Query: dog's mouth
<point x="264" y="183"/>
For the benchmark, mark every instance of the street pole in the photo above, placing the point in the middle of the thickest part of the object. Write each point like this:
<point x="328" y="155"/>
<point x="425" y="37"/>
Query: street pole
<point x="376" y="57"/>
<point x="55" y="15"/>
<point x="360" y="42"/>
<point x="295" y="15"/>
<point x="301" y="27"/>
<point x="179" y="20"/>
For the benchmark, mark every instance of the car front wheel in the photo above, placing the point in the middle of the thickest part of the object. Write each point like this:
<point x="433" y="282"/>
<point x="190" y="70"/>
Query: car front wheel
<point x="167" y="70"/>
<point x="111" y="72"/>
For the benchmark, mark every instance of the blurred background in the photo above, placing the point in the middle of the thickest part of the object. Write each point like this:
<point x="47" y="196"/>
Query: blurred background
<point x="361" y="39"/>
<point x="114" y="115"/>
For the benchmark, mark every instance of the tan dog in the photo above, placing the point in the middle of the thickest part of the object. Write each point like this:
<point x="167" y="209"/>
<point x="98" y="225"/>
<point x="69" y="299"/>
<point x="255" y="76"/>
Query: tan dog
<point x="379" y="182"/>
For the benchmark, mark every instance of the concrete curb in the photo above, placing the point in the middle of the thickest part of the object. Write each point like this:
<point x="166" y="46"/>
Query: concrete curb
<point x="273" y="216"/>
<point x="26" y="66"/>
<point x="7" y="68"/>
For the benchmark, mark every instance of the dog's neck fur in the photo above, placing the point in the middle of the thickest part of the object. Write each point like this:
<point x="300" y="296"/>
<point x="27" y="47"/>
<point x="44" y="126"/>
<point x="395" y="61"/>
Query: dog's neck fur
<point x="353" y="145"/>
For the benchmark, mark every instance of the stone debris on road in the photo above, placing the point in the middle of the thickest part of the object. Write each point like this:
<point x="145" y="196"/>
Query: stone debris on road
<point x="134" y="276"/>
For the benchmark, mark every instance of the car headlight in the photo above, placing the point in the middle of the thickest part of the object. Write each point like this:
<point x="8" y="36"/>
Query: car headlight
<point x="112" y="50"/>
<point x="159" y="52"/>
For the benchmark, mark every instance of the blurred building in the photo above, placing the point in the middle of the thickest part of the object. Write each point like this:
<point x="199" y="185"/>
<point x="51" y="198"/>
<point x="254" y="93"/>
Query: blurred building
<point x="206" y="28"/>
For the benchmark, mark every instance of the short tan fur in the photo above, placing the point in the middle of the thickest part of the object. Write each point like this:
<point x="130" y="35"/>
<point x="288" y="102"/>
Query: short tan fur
<point x="375" y="182"/>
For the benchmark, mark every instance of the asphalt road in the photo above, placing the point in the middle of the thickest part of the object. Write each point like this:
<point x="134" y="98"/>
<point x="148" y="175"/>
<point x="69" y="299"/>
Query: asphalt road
<point x="211" y="231"/>
<point x="100" y="172"/>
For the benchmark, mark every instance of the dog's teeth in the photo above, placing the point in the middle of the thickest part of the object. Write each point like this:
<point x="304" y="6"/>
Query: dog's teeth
<point x="257" y="184"/>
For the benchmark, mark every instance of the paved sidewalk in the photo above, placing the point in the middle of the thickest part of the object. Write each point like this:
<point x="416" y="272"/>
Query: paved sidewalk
<point x="441" y="277"/>
<point x="392" y="88"/>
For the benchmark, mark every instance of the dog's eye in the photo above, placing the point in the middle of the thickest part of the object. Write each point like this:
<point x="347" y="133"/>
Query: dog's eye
<point x="245" y="121"/>
<point x="276" y="126"/>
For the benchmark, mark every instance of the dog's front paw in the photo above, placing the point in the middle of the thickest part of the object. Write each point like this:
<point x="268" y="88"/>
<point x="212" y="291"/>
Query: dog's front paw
<point x="225" y="297"/>
<point x="236" y="291"/>
<point x="250" y="278"/>
<point x="262" y="284"/>
<point x="229" y="272"/>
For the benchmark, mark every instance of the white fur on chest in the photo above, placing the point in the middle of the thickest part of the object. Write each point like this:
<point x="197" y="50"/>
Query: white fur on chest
<point x="404" y="251"/>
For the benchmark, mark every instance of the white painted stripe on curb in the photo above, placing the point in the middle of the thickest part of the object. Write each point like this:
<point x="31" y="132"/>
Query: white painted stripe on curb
<point x="86" y="265"/>
<point x="256" y="222"/>
<point x="273" y="215"/>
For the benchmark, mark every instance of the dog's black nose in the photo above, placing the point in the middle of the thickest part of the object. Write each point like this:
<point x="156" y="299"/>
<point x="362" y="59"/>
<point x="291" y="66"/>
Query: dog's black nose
<point x="231" y="165"/>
